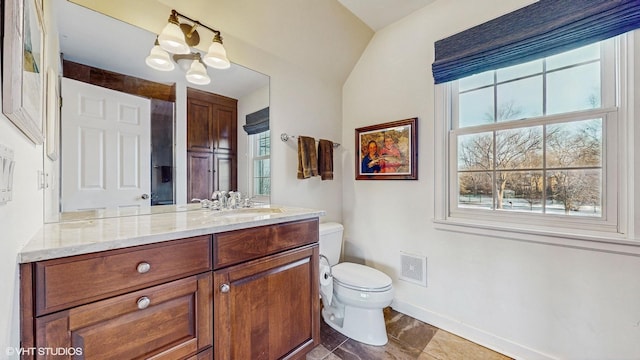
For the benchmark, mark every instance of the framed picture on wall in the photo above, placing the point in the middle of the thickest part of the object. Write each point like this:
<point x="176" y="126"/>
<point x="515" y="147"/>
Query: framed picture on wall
<point x="387" y="151"/>
<point x="23" y="80"/>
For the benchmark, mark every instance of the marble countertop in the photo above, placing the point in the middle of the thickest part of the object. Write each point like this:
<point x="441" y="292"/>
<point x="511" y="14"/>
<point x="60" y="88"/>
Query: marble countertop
<point x="92" y="235"/>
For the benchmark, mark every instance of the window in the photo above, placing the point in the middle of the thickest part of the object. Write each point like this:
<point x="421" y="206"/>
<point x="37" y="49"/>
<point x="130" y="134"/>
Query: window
<point x="261" y="170"/>
<point x="537" y="143"/>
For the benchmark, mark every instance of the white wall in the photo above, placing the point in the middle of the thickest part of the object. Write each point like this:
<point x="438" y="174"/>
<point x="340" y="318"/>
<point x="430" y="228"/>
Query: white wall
<point x="20" y="219"/>
<point x="528" y="300"/>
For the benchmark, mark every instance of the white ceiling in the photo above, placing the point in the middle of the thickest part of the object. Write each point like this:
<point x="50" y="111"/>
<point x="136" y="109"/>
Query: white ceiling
<point x="380" y="13"/>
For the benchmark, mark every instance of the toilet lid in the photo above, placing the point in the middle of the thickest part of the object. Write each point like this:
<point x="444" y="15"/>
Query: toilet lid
<point x="360" y="277"/>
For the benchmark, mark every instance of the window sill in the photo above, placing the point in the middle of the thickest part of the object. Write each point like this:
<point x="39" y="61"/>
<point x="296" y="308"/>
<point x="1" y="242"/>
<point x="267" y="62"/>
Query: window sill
<point x="603" y="242"/>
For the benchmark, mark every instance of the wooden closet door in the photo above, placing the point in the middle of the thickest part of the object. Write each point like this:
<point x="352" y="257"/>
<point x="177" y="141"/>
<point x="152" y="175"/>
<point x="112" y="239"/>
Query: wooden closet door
<point x="212" y="128"/>
<point x="200" y="171"/>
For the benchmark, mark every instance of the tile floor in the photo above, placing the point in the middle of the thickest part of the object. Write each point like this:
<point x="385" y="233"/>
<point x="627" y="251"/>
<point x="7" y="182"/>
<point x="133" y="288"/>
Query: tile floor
<point x="408" y="339"/>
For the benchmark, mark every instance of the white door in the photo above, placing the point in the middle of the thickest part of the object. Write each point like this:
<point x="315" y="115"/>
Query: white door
<point x="106" y="159"/>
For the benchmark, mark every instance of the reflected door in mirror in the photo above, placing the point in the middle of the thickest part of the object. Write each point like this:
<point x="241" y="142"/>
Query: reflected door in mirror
<point x="105" y="147"/>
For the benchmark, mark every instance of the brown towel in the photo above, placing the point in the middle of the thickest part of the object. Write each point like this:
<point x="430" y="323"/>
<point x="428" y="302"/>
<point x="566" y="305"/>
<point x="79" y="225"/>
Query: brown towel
<point x="325" y="159"/>
<point x="307" y="158"/>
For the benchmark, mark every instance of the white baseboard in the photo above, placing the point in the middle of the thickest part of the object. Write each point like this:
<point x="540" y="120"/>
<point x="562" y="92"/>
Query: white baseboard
<point x="478" y="336"/>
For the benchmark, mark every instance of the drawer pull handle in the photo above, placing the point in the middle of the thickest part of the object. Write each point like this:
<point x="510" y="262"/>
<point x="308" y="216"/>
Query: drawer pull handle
<point x="224" y="288"/>
<point x="144" y="267"/>
<point x="144" y="303"/>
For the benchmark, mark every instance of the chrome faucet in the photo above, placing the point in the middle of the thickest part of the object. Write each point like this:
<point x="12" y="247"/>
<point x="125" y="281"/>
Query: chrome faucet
<point x="222" y="200"/>
<point x="221" y="197"/>
<point x="204" y="202"/>
<point x="235" y="198"/>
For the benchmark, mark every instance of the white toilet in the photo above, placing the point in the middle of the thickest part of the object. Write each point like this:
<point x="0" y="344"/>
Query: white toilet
<point x="353" y="295"/>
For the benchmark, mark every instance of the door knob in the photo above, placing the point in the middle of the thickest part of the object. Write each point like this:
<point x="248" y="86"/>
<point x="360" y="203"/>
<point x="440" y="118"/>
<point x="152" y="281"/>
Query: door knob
<point x="145" y="196"/>
<point x="224" y="288"/>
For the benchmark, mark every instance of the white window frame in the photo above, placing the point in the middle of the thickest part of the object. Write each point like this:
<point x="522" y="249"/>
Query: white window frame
<point x="253" y="148"/>
<point x="613" y="227"/>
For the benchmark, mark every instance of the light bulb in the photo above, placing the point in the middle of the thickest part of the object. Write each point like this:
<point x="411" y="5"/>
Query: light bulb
<point x="172" y="40"/>
<point x="197" y="74"/>
<point x="217" y="55"/>
<point x="159" y="59"/>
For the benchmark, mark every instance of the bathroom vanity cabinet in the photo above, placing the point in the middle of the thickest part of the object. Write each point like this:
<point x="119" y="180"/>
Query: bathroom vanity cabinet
<point x="122" y="304"/>
<point x="243" y="294"/>
<point x="266" y="303"/>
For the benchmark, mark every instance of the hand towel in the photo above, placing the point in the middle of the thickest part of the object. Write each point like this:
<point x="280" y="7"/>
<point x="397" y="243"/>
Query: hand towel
<point x="307" y="158"/>
<point x="325" y="159"/>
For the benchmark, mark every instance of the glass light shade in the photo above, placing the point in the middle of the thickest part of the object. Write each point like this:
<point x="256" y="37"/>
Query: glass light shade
<point x="172" y="39"/>
<point x="217" y="56"/>
<point x="159" y="59"/>
<point x="197" y="74"/>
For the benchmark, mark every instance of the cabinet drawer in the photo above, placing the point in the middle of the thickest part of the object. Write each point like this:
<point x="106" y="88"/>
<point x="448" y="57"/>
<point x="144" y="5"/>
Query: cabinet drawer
<point x="234" y="247"/>
<point x="168" y="321"/>
<point x="63" y="283"/>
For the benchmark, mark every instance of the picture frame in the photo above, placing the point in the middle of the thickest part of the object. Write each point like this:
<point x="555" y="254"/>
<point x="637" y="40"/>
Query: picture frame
<point x="23" y="81"/>
<point x="394" y="155"/>
<point x="53" y="115"/>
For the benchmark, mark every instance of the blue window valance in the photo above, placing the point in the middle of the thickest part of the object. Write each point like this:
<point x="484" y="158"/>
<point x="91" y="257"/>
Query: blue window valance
<point x="257" y="122"/>
<point x="544" y="28"/>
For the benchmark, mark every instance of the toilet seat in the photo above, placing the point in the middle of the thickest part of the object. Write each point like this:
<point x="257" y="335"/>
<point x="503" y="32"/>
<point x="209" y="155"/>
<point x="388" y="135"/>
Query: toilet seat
<point x="360" y="277"/>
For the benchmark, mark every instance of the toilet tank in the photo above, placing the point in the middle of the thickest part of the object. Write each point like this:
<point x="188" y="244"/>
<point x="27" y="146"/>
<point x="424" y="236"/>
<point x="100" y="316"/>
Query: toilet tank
<point x="331" y="241"/>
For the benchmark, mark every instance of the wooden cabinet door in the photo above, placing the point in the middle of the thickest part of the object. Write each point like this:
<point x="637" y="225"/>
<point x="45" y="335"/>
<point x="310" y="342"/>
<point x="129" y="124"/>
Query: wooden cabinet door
<point x="212" y="128"/>
<point x="225" y="173"/>
<point x="176" y="323"/>
<point x="267" y="308"/>
<point x="212" y="122"/>
<point x="224" y="125"/>
<point x="200" y="175"/>
<point x="199" y="125"/>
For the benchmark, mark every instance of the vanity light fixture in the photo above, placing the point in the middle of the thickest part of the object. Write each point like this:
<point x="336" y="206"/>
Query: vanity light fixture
<point x="178" y="38"/>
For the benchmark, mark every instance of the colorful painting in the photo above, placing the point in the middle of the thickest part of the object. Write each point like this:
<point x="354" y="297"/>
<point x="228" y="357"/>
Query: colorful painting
<point x="387" y="151"/>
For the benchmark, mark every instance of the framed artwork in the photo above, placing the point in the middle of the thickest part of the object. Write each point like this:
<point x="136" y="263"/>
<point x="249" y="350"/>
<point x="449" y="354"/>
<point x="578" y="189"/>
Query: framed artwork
<point x="23" y="81"/>
<point x="387" y="151"/>
<point x="53" y="114"/>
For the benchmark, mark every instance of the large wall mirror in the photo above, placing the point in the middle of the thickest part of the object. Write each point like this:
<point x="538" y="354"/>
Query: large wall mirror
<point x="97" y="41"/>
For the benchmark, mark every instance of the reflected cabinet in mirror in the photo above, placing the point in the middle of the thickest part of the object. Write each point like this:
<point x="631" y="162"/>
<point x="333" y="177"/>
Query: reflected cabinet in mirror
<point x="136" y="140"/>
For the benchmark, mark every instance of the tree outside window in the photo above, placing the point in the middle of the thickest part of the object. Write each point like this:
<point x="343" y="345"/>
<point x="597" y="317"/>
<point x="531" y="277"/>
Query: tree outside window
<point x="530" y="137"/>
